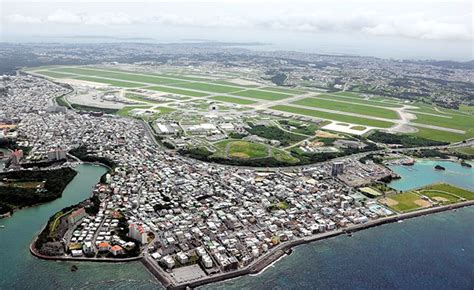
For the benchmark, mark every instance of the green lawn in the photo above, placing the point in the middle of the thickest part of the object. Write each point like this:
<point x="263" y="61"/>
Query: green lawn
<point x="52" y="74"/>
<point x="358" y="128"/>
<point x="438" y="135"/>
<point x="229" y="83"/>
<point x="141" y="98"/>
<point x="347" y="107"/>
<point x="256" y="94"/>
<point x="110" y="82"/>
<point x="348" y="94"/>
<point x="441" y="197"/>
<point x="465" y="150"/>
<point x="357" y="101"/>
<point x="406" y="202"/>
<point x="333" y="116"/>
<point x="466" y="194"/>
<point x="284" y="156"/>
<point x="243" y="149"/>
<point x="457" y="121"/>
<point x="208" y="87"/>
<point x="283" y="90"/>
<point x="146" y="79"/>
<point x="125" y="111"/>
<point x="177" y="91"/>
<point x="233" y="100"/>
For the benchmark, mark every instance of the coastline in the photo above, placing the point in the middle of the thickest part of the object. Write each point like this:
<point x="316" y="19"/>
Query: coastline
<point x="261" y="263"/>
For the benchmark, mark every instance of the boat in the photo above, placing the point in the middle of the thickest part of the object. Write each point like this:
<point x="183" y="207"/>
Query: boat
<point x="2" y="226"/>
<point x="439" y="167"/>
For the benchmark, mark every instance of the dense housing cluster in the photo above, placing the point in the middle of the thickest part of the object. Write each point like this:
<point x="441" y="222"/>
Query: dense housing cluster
<point x="177" y="211"/>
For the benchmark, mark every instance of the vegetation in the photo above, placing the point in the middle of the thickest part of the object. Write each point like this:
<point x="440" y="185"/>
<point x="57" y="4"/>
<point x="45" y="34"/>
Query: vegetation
<point x="243" y="149"/>
<point x="348" y="107"/>
<point x="333" y="116"/>
<point x="208" y="87"/>
<point x="443" y="187"/>
<point x="94" y="109"/>
<point x="404" y="202"/>
<point x="26" y="188"/>
<point x="283" y="90"/>
<point x="55" y="75"/>
<point x="402" y="139"/>
<point x="357" y="100"/>
<point x="83" y="154"/>
<point x="262" y="95"/>
<point x="275" y="133"/>
<point x="438" y="135"/>
<point x="110" y="82"/>
<point x="299" y="127"/>
<point x="233" y="100"/>
<point x="177" y="91"/>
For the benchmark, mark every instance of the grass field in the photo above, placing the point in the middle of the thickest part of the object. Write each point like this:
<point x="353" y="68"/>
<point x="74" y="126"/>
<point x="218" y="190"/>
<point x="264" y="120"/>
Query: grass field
<point x="125" y="111"/>
<point x="243" y="149"/>
<point x="465" y="150"/>
<point x="110" y="82"/>
<point x="284" y="156"/>
<point x="347" y="107"/>
<point x="357" y="101"/>
<point x="404" y="202"/>
<point x="333" y="116"/>
<point x="438" y="135"/>
<point x="233" y="100"/>
<point x="461" y="122"/>
<point x="176" y="91"/>
<point x="208" y="87"/>
<point x="348" y="94"/>
<point x="229" y="83"/>
<point x="145" y="79"/>
<point x="443" y="187"/>
<point x="141" y="98"/>
<point x="283" y="90"/>
<point x="56" y="75"/>
<point x="256" y="94"/>
<point x="441" y="197"/>
<point x="358" y="128"/>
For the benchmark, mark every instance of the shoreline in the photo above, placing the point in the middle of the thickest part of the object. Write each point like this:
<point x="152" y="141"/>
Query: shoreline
<point x="263" y="262"/>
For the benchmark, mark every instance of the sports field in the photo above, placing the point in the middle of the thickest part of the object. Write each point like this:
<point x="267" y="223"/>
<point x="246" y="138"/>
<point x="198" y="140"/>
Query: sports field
<point x="404" y="202"/>
<point x="333" y="116"/>
<point x="347" y="107"/>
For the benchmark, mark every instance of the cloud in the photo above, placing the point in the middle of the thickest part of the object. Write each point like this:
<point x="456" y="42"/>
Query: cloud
<point x="64" y="17"/>
<point x="330" y="21"/>
<point x="430" y="30"/>
<point x="22" y="19"/>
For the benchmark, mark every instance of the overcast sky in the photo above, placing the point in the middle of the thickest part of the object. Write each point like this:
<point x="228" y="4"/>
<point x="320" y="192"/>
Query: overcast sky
<point x="400" y="29"/>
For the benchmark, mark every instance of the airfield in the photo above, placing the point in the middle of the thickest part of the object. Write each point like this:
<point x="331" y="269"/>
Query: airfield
<point x="135" y="91"/>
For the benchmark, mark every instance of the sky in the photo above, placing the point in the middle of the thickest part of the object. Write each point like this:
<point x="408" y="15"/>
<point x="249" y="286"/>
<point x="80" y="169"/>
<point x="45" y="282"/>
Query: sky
<point x="412" y="29"/>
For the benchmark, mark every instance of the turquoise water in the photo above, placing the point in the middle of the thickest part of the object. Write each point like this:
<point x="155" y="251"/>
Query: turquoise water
<point x="20" y="270"/>
<point x="423" y="173"/>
